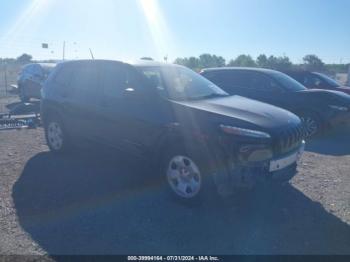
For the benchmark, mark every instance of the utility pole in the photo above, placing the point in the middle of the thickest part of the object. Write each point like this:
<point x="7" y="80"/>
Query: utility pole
<point x="64" y="50"/>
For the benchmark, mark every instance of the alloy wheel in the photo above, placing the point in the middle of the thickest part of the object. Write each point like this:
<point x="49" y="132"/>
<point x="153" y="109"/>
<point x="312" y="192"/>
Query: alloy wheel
<point x="310" y="125"/>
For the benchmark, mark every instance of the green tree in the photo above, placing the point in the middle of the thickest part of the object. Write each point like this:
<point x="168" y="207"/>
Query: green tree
<point x="24" y="59"/>
<point x="282" y="63"/>
<point x="181" y="61"/>
<point x="273" y="62"/>
<point x="208" y="60"/>
<point x="243" y="61"/>
<point x="262" y="61"/>
<point x="313" y="63"/>
<point x="204" y="61"/>
<point x="193" y="62"/>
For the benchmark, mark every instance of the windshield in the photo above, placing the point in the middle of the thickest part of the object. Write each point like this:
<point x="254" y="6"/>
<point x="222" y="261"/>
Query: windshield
<point x="287" y="82"/>
<point x="180" y="83"/>
<point x="328" y="80"/>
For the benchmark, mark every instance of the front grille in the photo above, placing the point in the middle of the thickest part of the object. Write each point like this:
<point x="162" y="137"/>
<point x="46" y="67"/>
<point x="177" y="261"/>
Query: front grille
<point x="289" y="139"/>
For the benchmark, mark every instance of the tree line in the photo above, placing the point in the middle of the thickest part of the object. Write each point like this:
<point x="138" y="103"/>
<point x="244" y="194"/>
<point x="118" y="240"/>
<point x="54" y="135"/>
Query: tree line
<point x="310" y="62"/>
<point x="22" y="60"/>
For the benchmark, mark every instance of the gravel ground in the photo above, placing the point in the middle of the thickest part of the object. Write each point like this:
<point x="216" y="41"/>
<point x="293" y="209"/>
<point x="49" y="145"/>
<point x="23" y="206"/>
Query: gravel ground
<point x="104" y="203"/>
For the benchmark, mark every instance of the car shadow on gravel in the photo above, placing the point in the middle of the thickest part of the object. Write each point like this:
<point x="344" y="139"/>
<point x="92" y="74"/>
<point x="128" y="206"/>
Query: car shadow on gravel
<point x="336" y="142"/>
<point x="106" y="204"/>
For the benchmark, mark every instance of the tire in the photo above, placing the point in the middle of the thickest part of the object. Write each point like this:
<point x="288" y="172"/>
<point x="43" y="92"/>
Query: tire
<point x="312" y="124"/>
<point x="56" y="135"/>
<point x="185" y="177"/>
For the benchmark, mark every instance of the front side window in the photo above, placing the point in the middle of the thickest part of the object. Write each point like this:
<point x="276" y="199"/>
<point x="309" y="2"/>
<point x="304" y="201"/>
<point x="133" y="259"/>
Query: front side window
<point x="311" y="81"/>
<point x="232" y="79"/>
<point x="262" y="83"/>
<point x="325" y="80"/>
<point x="286" y="81"/>
<point x="180" y="83"/>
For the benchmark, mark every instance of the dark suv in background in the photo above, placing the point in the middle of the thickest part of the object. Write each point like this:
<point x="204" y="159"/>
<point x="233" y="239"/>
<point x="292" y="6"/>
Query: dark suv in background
<point x="31" y="80"/>
<point x="317" y="108"/>
<point x="312" y="80"/>
<point x="191" y="129"/>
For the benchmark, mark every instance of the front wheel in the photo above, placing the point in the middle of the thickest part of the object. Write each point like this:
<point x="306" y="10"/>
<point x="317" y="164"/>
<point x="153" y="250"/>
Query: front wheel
<point x="184" y="175"/>
<point x="312" y="124"/>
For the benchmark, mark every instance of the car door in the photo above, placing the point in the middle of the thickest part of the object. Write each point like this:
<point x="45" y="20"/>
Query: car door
<point x="130" y="116"/>
<point x="264" y="88"/>
<point x="79" y="99"/>
<point x="249" y="84"/>
<point x="112" y="123"/>
<point x="146" y="110"/>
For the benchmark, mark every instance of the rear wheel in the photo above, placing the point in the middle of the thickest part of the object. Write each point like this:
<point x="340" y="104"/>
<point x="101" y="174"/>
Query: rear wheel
<point x="56" y="136"/>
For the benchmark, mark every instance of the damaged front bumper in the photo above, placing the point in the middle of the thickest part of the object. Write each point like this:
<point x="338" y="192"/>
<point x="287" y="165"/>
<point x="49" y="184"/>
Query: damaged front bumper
<point x="249" y="173"/>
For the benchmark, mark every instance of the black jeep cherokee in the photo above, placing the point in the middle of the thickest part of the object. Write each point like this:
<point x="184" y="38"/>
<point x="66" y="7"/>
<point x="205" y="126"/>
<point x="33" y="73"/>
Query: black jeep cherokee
<point x="194" y="131"/>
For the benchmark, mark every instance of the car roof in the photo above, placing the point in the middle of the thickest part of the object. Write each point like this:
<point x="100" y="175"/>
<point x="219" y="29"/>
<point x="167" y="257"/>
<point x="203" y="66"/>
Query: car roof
<point x="83" y="61"/>
<point x="254" y="69"/>
<point x="147" y="63"/>
<point x="136" y="63"/>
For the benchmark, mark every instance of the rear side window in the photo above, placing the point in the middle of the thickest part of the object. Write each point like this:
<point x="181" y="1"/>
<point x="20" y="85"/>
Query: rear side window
<point x="63" y="76"/>
<point x="229" y="80"/>
<point x="84" y="78"/>
<point x="113" y="78"/>
<point x="298" y="76"/>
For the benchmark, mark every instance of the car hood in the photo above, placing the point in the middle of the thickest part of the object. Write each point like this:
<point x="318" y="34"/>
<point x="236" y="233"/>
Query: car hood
<point x="245" y="112"/>
<point x="327" y="96"/>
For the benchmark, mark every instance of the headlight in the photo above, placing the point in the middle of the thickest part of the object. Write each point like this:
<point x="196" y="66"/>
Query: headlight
<point x="339" y="108"/>
<point x="244" y="132"/>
